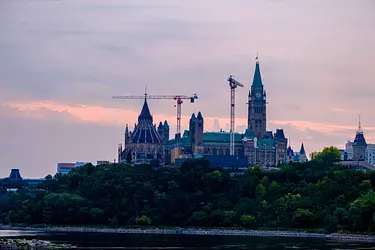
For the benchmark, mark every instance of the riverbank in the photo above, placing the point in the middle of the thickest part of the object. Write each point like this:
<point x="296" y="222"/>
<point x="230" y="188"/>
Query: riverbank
<point x="200" y="231"/>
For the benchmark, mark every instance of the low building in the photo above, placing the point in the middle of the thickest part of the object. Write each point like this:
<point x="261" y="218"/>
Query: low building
<point x="64" y="168"/>
<point x="99" y="163"/>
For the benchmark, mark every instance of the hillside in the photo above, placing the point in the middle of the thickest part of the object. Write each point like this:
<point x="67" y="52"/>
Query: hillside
<point x="314" y="195"/>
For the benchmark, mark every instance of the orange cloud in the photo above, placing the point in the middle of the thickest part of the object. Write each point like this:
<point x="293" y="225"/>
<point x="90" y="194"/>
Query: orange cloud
<point x="321" y="127"/>
<point x="112" y="116"/>
<point x="120" y="117"/>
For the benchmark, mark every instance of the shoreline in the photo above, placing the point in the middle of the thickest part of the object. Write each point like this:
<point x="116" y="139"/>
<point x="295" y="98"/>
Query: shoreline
<point x="202" y="231"/>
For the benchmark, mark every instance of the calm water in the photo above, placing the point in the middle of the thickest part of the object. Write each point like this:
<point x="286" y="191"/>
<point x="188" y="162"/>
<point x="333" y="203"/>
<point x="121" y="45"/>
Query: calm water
<point x="181" y="242"/>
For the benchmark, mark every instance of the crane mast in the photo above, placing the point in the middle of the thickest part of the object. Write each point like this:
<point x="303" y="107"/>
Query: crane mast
<point x="178" y="98"/>
<point x="233" y="84"/>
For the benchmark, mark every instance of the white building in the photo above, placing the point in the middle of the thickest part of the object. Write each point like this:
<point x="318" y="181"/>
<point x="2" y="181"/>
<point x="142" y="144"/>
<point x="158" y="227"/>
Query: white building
<point x="64" y="168"/>
<point x="349" y="149"/>
<point x="370" y="154"/>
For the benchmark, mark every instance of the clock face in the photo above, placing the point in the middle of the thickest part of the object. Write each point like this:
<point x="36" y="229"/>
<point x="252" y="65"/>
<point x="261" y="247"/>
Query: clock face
<point x="258" y="95"/>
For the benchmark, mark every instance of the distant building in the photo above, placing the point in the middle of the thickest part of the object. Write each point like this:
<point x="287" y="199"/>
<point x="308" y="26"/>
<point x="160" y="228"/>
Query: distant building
<point x="370" y="154"/>
<point x="146" y="142"/>
<point x="359" y="149"/>
<point x="99" y="163"/>
<point x="258" y="145"/>
<point x="296" y="156"/>
<point x="15" y="181"/>
<point x="15" y="175"/>
<point x="64" y="168"/>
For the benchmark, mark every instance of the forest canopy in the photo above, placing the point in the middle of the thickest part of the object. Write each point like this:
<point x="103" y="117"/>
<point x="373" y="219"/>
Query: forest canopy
<point x="317" y="195"/>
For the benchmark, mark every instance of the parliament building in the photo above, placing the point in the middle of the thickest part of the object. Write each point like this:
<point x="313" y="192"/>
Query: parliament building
<point x="256" y="144"/>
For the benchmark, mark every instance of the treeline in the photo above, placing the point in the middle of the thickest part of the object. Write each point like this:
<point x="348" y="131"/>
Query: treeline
<point x="314" y="195"/>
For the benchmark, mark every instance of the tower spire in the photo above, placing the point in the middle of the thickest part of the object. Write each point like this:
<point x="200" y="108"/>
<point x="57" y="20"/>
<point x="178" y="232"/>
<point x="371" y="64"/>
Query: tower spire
<point x="359" y="124"/>
<point x="257" y="58"/>
<point x="145" y="92"/>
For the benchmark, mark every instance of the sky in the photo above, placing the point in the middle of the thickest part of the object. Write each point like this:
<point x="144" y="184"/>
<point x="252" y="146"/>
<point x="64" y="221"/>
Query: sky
<point x="62" y="61"/>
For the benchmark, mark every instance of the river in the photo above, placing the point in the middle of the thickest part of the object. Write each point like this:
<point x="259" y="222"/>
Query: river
<point x="182" y="242"/>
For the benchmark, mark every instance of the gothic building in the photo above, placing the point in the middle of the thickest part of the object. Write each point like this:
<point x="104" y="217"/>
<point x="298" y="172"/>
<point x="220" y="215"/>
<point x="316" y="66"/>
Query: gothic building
<point x="256" y="144"/>
<point x="296" y="156"/>
<point x="257" y="115"/>
<point x="359" y="145"/>
<point x="146" y="142"/>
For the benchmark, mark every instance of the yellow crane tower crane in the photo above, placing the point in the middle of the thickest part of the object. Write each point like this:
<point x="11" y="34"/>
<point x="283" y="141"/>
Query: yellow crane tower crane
<point x="233" y="84"/>
<point x="178" y="98"/>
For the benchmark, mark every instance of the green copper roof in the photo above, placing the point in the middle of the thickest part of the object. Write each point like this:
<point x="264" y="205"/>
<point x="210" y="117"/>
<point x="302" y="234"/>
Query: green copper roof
<point x="257" y="81"/>
<point x="220" y="137"/>
<point x="249" y="134"/>
<point x="186" y="133"/>
<point x="183" y="141"/>
<point x="267" y="142"/>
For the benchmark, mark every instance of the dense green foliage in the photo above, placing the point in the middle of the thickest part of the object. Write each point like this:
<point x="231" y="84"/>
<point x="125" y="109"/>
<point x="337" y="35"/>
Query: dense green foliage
<point x="306" y="195"/>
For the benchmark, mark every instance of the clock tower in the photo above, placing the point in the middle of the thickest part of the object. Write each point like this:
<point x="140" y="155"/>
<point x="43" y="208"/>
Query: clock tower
<point x="257" y="116"/>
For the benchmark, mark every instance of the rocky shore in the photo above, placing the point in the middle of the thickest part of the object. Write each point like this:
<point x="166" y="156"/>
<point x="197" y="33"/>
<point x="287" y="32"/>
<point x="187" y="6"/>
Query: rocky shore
<point x="15" y="244"/>
<point x="198" y="231"/>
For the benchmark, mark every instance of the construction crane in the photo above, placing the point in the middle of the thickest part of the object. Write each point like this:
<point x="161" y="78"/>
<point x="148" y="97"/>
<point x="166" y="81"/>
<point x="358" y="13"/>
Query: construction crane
<point x="178" y="98"/>
<point x="233" y="84"/>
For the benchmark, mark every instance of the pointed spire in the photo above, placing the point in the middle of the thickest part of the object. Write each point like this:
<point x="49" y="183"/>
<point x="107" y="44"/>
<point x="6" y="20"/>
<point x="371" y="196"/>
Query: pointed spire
<point x="126" y="130"/>
<point x="199" y="116"/>
<point x="359" y="125"/>
<point x="257" y="80"/>
<point x="193" y="118"/>
<point x="145" y="113"/>
<point x="166" y="124"/>
<point x="160" y="125"/>
<point x="302" y="151"/>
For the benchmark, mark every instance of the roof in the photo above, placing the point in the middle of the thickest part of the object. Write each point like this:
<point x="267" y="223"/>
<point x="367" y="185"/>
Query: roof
<point x="166" y="124"/>
<point x="221" y="137"/>
<point x="268" y="135"/>
<point x="193" y="118"/>
<point x="267" y="142"/>
<point x="359" y="140"/>
<point x="249" y="134"/>
<point x="186" y="133"/>
<point x="66" y="165"/>
<point x="302" y="151"/>
<point x="280" y="134"/>
<point x="145" y="113"/>
<point x="15" y="174"/>
<point x="257" y="80"/>
<point x="145" y="131"/>
<point x="199" y="116"/>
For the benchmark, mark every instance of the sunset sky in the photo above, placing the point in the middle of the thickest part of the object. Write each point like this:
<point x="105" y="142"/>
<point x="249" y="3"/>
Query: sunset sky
<point x="62" y="61"/>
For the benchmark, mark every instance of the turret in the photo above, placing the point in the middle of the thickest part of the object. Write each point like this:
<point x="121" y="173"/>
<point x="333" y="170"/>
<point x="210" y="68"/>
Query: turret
<point x="359" y="144"/>
<point x="166" y="131"/>
<point x="198" y="146"/>
<point x="127" y="137"/>
<point x="192" y="123"/>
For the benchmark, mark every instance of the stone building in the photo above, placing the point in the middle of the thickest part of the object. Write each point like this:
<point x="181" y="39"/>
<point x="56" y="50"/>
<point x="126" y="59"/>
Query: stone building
<point x="359" y="145"/>
<point x="146" y="142"/>
<point x="256" y="144"/>
<point x="296" y="156"/>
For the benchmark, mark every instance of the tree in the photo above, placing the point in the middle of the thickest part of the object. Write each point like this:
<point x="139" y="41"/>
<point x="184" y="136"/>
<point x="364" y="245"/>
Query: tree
<point x="328" y="155"/>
